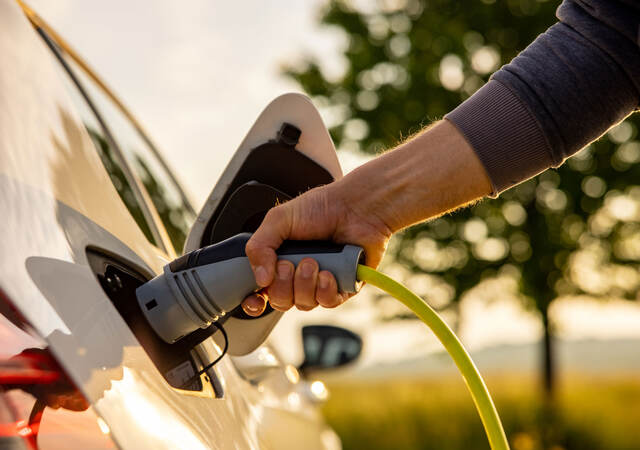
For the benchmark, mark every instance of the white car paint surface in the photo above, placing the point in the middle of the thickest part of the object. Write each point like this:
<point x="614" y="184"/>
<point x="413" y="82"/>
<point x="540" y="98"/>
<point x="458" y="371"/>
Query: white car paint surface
<point x="56" y="200"/>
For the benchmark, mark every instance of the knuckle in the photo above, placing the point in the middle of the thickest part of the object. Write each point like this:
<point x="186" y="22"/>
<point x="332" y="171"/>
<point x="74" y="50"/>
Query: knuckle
<point x="282" y="299"/>
<point x="304" y="291"/>
<point x="333" y="304"/>
<point x="330" y="300"/>
<point x="252" y="247"/>
<point x="338" y="300"/>
<point x="274" y="214"/>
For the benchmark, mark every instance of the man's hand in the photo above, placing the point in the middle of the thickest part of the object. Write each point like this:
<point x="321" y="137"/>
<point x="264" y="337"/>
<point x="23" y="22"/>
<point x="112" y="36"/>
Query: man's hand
<point x="433" y="173"/>
<point x="323" y="213"/>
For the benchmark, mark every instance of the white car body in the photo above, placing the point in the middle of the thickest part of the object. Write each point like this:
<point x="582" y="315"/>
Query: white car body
<point x="56" y="201"/>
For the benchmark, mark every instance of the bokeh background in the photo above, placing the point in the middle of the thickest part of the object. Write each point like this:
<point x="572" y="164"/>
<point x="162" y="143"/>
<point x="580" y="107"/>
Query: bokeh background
<point x="541" y="283"/>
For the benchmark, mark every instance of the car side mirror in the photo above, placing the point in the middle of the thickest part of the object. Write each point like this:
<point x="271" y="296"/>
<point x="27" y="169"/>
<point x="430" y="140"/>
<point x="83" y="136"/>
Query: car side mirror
<point x="327" y="347"/>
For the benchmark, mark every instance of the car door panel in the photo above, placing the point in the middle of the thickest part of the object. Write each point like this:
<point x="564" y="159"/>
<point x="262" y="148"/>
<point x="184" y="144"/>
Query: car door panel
<point x="57" y="201"/>
<point x="106" y="361"/>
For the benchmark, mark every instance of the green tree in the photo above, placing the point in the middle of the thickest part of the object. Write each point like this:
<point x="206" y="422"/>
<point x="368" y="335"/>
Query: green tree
<point x="574" y="230"/>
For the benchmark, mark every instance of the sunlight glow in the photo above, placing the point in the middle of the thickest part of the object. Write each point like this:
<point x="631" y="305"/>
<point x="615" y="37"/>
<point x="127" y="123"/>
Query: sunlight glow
<point x="294" y="400"/>
<point x="475" y="230"/>
<point x="485" y="60"/>
<point x="622" y="207"/>
<point x="150" y="415"/>
<point x="450" y="73"/>
<point x="514" y="213"/>
<point x="292" y="374"/>
<point x="319" y="390"/>
<point x="103" y="426"/>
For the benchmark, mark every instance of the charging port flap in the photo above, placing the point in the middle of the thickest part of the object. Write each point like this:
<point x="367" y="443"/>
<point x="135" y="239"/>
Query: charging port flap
<point x="287" y="152"/>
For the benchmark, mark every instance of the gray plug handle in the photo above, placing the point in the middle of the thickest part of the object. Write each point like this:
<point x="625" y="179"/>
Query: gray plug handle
<point x="204" y="285"/>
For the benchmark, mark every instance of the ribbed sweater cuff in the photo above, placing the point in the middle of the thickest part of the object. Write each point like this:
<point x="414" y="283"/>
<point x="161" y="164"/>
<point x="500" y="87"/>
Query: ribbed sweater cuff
<point x="506" y="137"/>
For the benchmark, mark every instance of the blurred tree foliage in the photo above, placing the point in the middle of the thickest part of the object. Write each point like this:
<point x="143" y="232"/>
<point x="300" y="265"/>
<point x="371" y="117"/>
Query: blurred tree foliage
<point x="569" y="231"/>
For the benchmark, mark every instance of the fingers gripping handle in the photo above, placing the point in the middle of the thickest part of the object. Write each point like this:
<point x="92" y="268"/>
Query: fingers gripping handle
<point x="341" y="260"/>
<point x="200" y="287"/>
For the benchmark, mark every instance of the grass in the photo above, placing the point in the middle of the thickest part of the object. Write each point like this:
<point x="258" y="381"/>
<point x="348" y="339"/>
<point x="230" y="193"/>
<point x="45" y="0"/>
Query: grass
<point x="599" y="412"/>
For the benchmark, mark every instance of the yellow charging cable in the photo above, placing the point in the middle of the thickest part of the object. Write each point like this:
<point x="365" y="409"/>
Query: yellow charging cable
<point x="475" y="383"/>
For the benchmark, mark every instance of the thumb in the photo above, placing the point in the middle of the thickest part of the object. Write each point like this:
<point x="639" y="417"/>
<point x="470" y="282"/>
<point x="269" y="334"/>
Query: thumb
<point x="261" y="248"/>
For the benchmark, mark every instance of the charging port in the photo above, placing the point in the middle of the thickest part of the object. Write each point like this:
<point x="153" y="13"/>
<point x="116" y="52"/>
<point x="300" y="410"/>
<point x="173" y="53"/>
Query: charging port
<point x="176" y="362"/>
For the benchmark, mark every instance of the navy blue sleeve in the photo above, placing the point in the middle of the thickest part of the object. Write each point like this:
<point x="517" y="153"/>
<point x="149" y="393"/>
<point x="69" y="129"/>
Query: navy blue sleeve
<point x="562" y="92"/>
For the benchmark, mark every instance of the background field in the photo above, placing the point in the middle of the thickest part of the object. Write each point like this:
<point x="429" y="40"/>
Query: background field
<point x="590" y="412"/>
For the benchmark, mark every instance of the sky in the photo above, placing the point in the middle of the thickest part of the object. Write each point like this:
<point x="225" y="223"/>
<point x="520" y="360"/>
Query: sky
<point x="197" y="74"/>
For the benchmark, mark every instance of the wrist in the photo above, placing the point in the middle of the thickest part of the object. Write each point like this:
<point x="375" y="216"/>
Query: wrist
<point x="370" y="192"/>
<point x="424" y="177"/>
<point x="442" y="171"/>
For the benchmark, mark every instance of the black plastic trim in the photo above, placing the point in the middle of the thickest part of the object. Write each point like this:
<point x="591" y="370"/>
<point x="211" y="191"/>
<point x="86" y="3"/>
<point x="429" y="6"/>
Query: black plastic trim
<point x="222" y="251"/>
<point x="234" y="247"/>
<point x="277" y="165"/>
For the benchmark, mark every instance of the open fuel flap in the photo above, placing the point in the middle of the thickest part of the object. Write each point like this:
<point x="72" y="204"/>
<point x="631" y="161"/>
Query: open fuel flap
<point x="287" y="152"/>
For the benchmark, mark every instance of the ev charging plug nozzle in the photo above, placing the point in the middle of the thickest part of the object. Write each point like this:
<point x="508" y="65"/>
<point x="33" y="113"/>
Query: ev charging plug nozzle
<point x="202" y="286"/>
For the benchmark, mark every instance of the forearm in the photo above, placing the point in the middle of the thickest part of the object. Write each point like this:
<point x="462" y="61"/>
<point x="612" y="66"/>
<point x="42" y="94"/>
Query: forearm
<point x="431" y="174"/>
<point x="562" y="92"/>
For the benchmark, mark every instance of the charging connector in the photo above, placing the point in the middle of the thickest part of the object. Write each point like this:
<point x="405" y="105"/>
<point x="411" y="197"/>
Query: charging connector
<point x="200" y="287"/>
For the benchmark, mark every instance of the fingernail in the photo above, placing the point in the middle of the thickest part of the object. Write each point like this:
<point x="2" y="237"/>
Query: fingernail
<point x="323" y="282"/>
<point x="307" y="270"/>
<point x="261" y="276"/>
<point x="284" y="271"/>
<point x="252" y="308"/>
